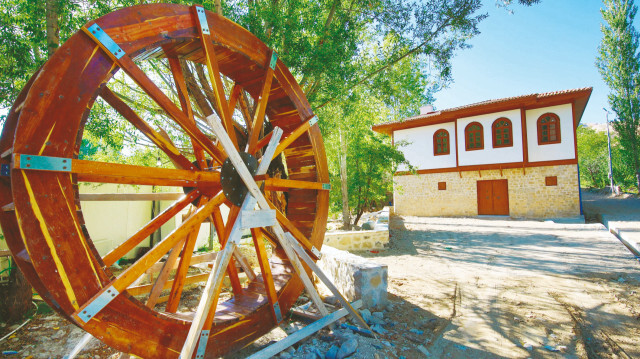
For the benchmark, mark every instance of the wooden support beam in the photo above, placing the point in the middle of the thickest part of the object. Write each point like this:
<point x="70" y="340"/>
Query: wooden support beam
<point x="101" y="299"/>
<point x="316" y="269"/>
<point x="310" y="329"/>
<point x="203" y="318"/>
<point x="166" y="196"/>
<point x="84" y="167"/>
<point x="148" y="229"/>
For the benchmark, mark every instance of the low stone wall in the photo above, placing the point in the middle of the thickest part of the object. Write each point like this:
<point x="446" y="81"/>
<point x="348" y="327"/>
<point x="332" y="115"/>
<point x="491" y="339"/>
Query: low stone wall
<point x="357" y="240"/>
<point x="356" y="277"/>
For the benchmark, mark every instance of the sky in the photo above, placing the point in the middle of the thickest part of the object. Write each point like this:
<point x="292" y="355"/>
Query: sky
<point x="547" y="47"/>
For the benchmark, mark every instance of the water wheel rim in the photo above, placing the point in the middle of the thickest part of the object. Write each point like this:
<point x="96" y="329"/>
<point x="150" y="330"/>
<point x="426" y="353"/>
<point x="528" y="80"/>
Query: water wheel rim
<point x="163" y="335"/>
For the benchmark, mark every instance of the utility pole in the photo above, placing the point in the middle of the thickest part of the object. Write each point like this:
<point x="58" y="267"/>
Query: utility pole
<point x="609" y="145"/>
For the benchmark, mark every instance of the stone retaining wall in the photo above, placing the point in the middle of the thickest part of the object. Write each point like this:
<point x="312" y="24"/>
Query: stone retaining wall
<point x="357" y="240"/>
<point x="356" y="277"/>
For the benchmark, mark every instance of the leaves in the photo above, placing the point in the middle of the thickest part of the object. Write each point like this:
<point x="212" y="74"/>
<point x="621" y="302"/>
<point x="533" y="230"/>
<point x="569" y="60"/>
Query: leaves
<point x="619" y="65"/>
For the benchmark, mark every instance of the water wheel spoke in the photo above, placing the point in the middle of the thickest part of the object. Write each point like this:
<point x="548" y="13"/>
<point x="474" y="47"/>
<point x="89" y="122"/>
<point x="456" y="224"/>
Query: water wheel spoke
<point x="162" y="142"/>
<point x="297" y="234"/>
<point x="162" y="218"/>
<point x="267" y="277"/>
<point x="232" y="270"/>
<point x="279" y="184"/>
<point x="214" y="75"/>
<point x="261" y="104"/>
<point x="244" y="110"/>
<point x="185" y="103"/>
<point x="236" y="92"/>
<point x="126" y="278"/>
<point x="94" y="171"/>
<point x="150" y="88"/>
<point x="162" y="278"/>
<point x="290" y="138"/>
<point x="299" y="131"/>
<point x="183" y="267"/>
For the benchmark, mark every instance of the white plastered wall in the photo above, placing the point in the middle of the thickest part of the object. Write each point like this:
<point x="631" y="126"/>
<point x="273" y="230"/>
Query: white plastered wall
<point x="490" y="155"/>
<point x="419" y="150"/>
<point x="564" y="150"/>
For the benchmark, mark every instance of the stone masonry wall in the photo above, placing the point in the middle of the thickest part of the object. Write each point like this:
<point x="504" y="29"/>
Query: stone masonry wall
<point x="356" y="277"/>
<point x="529" y="197"/>
<point x="357" y="240"/>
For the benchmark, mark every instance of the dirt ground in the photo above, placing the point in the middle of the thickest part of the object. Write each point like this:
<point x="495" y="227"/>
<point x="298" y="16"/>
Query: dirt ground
<point x="502" y="286"/>
<point x="466" y="288"/>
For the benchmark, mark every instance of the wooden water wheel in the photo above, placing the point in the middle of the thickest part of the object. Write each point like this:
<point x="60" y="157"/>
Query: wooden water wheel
<point x="42" y="216"/>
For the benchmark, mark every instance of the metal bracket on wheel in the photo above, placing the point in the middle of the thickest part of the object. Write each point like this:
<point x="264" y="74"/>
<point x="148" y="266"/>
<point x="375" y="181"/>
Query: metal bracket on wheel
<point x="98" y="304"/>
<point x="202" y="20"/>
<point x="45" y="163"/>
<point x="106" y="41"/>
<point x="202" y="344"/>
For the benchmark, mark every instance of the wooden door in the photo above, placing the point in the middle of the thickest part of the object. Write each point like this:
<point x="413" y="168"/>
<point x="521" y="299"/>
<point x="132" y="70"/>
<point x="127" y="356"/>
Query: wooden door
<point x="493" y="197"/>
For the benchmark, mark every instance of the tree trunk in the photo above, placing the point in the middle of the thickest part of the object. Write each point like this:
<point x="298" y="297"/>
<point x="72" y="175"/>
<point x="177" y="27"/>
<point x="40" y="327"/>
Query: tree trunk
<point x="53" y="29"/>
<point x="346" y="217"/>
<point x="15" y="297"/>
<point x="218" y="6"/>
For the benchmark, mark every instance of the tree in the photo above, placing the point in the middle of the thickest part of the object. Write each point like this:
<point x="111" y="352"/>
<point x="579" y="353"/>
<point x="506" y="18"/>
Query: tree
<point x="592" y="157"/>
<point x="619" y="65"/>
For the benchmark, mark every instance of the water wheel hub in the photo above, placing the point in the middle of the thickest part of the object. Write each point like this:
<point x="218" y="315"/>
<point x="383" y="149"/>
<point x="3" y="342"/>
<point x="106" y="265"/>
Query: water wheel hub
<point x="232" y="185"/>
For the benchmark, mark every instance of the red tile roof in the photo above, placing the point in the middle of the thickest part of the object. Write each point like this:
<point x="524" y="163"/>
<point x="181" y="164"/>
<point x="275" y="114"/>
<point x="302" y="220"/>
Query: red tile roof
<point x="578" y="96"/>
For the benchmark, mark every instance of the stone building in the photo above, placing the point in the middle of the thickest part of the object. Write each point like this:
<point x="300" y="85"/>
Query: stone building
<point x="514" y="156"/>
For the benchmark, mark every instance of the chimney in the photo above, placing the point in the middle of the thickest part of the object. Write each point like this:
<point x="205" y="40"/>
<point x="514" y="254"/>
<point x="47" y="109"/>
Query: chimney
<point x="426" y="109"/>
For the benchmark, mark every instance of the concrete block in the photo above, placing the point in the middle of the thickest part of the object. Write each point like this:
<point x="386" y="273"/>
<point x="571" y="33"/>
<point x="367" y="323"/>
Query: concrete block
<point x="356" y="277"/>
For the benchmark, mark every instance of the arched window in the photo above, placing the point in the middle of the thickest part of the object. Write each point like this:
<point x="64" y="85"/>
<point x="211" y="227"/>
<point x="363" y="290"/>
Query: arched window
<point x="502" y="133"/>
<point x="441" y="142"/>
<point x="548" y="129"/>
<point x="473" y="136"/>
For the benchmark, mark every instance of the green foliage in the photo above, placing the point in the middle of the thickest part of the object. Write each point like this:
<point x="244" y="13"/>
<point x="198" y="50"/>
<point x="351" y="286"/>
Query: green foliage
<point x="619" y="65"/>
<point x="593" y="157"/>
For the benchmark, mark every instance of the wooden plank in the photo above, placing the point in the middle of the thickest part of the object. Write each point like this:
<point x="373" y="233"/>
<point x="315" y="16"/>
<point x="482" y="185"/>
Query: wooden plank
<point x="310" y="329"/>
<point x="162" y="196"/>
<point x="258" y="218"/>
<point x="253" y="188"/>
<point x="267" y="276"/>
<point x="143" y="289"/>
<point x="164" y="275"/>
<point x="183" y="267"/>
<point x="318" y="272"/>
<point x="196" y="259"/>
<point x="297" y="234"/>
<point x="214" y="76"/>
<point x="185" y="103"/>
<point x="148" y="229"/>
<point x="279" y="184"/>
<point x="261" y="107"/>
<point x="147" y="85"/>
<point x="139" y="181"/>
<point x="135" y="270"/>
<point x="162" y="142"/>
<point x="203" y="318"/>
<point x="84" y="167"/>
<point x="295" y="134"/>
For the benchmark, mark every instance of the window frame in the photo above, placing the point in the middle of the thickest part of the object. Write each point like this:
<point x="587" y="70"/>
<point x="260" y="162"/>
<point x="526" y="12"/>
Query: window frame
<point x="539" y="129"/>
<point x="494" y="133"/>
<point x="435" y="143"/>
<point x="466" y="136"/>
